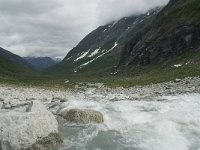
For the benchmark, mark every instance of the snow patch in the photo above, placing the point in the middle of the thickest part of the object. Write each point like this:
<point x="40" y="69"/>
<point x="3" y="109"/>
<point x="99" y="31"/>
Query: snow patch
<point x="178" y="65"/>
<point x="105" y="30"/>
<point x="85" y="64"/>
<point x="94" y="53"/>
<point x="82" y="56"/>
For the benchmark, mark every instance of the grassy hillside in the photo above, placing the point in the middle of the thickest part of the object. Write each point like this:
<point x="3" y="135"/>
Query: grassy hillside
<point x="10" y="68"/>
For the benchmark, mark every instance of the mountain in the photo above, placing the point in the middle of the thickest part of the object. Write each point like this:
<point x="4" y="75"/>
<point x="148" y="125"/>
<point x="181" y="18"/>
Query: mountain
<point x="40" y="63"/>
<point x="160" y="38"/>
<point x="174" y="31"/>
<point x="101" y="49"/>
<point x="15" y="58"/>
<point x="13" y="65"/>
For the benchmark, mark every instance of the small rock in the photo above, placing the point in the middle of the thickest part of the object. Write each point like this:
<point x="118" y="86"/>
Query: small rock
<point x="7" y="106"/>
<point x="177" y="80"/>
<point x="167" y="88"/>
<point x="66" y="81"/>
<point x="1" y="105"/>
<point x="52" y="142"/>
<point x="83" y="116"/>
<point x="58" y="99"/>
<point x="61" y="120"/>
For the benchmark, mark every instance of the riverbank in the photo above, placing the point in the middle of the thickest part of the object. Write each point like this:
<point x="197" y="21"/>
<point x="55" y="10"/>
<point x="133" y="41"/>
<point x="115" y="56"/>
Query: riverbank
<point x="125" y="111"/>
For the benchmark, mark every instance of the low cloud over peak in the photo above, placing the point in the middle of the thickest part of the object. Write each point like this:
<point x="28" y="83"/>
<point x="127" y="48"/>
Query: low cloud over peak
<point x="53" y="27"/>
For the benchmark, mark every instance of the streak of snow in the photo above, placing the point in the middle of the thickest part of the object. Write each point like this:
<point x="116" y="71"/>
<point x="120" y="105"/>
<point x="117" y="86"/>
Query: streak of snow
<point x="105" y="30"/>
<point x="94" y="53"/>
<point x="82" y="56"/>
<point x="85" y="64"/>
<point x="178" y="65"/>
<point x="69" y="58"/>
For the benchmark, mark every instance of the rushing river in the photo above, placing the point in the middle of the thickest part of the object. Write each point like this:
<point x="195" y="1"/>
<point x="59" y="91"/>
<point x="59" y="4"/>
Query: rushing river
<point x="168" y="123"/>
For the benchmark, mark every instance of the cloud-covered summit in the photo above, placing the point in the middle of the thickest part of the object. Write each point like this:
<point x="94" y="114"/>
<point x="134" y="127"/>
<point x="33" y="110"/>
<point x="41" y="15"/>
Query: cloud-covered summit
<point x="53" y="27"/>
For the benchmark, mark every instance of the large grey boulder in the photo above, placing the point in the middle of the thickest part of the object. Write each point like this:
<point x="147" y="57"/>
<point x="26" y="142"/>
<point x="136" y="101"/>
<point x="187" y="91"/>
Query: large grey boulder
<point x="23" y="130"/>
<point x="83" y="116"/>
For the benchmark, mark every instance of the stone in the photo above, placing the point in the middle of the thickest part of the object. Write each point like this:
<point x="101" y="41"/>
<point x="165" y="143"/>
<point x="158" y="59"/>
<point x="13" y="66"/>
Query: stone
<point x="52" y="142"/>
<point x="177" y="80"/>
<point x="21" y="130"/>
<point x="61" y="120"/>
<point x="8" y="106"/>
<point x="1" y="105"/>
<point x="82" y="116"/>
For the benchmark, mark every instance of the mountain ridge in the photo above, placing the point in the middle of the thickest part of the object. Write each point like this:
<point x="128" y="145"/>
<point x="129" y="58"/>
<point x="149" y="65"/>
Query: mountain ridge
<point x="102" y="43"/>
<point x="41" y="63"/>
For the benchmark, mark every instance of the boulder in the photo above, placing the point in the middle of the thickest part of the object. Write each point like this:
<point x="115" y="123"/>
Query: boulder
<point x="61" y="120"/>
<point x="83" y="116"/>
<point x="21" y="130"/>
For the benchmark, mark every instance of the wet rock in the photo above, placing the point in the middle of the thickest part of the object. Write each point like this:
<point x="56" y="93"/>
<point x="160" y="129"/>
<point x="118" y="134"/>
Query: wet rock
<point x="21" y="130"/>
<point x="61" y="120"/>
<point x="83" y="116"/>
<point x="52" y="142"/>
<point x="56" y="99"/>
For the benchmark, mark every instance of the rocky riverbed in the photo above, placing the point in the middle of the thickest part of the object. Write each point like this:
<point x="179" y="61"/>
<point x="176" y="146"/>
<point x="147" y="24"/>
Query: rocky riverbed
<point x="160" y="117"/>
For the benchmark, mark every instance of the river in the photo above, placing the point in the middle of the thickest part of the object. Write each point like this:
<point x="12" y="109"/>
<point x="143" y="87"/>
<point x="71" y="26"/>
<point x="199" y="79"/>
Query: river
<point x="165" y="123"/>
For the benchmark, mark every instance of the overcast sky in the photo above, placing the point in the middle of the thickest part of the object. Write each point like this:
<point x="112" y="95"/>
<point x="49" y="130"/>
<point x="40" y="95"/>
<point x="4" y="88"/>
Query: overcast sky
<point x="53" y="27"/>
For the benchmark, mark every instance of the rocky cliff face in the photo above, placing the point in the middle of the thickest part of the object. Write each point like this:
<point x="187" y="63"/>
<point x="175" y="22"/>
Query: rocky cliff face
<point x="171" y="34"/>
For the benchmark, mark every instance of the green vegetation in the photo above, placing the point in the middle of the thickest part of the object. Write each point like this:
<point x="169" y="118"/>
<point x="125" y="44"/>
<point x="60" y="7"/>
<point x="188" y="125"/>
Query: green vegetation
<point x="153" y="32"/>
<point x="10" y="68"/>
<point x="127" y="77"/>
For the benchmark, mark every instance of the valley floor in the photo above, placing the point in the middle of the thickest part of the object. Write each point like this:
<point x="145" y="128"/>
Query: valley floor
<point x="160" y="116"/>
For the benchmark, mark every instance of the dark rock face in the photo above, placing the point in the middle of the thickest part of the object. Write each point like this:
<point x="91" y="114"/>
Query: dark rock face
<point x="160" y="45"/>
<point x="52" y="142"/>
<point x="174" y="31"/>
<point x="184" y="37"/>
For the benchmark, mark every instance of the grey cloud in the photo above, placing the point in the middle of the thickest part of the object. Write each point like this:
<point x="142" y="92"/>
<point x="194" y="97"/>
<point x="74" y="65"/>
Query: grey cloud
<point x="111" y="10"/>
<point x="53" y="27"/>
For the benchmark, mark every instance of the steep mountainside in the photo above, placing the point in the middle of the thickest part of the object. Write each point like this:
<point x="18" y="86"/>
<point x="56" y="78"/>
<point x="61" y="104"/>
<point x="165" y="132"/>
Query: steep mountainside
<point x="166" y="38"/>
<point x="101" y="49"/>
<point x="175" y="30"/>
<point x="40" y="63"/>
<point x="15" y="58"/>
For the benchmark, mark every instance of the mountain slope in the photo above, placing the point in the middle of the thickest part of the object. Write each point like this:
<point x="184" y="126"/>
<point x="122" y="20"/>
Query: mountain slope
<point x="101" y="49"/>
<point x="15" y="58"/>
<point x="9" y="68"/>
<point x="40" y="63"/>
<point x="174" y="31"/>
<point x="12" y="65"/>
<point x="163" y="42"/>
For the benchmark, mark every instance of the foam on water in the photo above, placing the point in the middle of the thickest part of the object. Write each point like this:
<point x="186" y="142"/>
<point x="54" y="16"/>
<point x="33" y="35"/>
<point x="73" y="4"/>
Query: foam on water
<point x="169" y="124"/>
